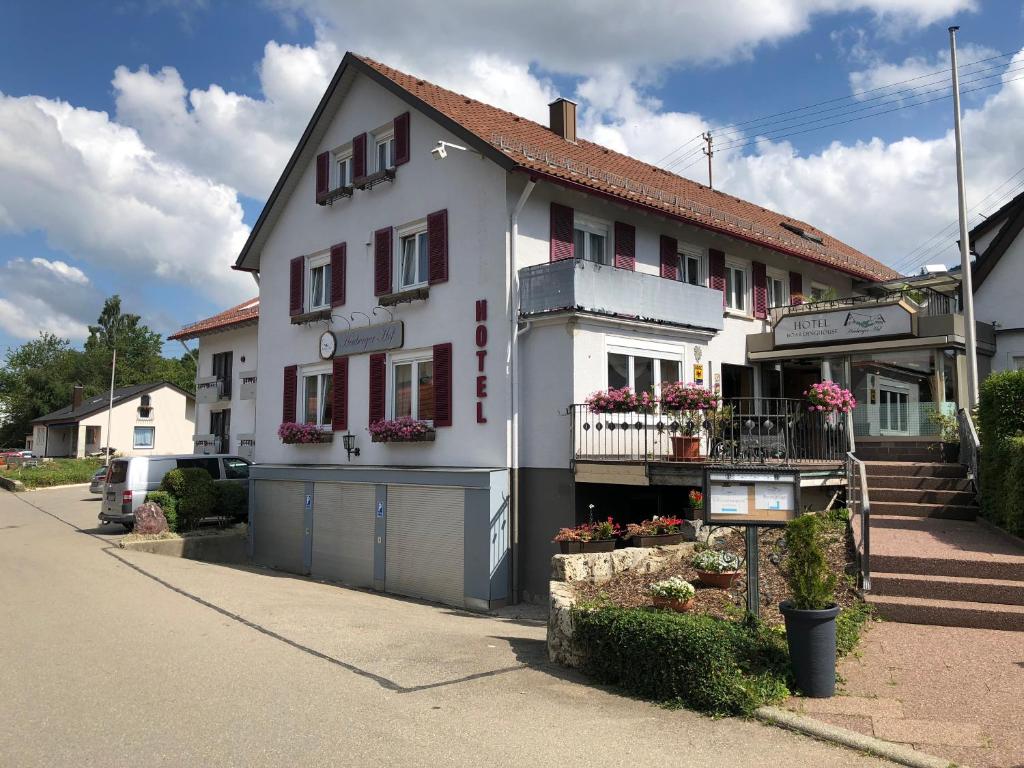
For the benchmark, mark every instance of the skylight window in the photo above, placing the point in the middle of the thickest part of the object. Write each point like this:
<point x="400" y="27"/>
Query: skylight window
<point x="802" y="232"/>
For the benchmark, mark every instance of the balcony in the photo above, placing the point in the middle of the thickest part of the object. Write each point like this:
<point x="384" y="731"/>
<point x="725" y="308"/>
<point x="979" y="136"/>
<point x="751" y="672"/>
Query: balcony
<point x="575" y="285"/>
<point x="206" y="444"/>
<point x="211" y="389"/>
<point x="247" y="385"/>
<point x="247" y="445"/>
<point x="923" y="302"/>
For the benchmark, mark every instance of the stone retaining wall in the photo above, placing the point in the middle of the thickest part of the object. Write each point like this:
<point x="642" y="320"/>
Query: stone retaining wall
<point x="595" y="568"/>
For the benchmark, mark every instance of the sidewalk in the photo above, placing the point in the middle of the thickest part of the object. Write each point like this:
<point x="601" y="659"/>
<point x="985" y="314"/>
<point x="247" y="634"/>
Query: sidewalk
<point x="952" y="692"/>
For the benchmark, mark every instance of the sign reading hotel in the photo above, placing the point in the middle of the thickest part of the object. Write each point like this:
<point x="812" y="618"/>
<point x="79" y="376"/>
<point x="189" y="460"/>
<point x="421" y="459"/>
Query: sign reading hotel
<point x="858" y="323"/>
<point x="373" y="338"/>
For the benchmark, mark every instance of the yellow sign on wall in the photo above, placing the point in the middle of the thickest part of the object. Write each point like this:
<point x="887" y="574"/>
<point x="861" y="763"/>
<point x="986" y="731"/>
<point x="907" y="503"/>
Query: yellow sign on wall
<point x="698" y="373"/>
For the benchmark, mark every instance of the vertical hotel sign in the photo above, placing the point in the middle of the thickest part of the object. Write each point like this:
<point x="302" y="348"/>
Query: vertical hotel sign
<point x="857" y="323"/>
<point x="481" y="356"/>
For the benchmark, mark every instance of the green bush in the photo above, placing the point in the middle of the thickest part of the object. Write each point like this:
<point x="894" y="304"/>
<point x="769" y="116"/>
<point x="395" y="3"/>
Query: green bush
<point x="232" y="500"/>
<point x="849" y="624"/>
<point x="701" y="662"/>
<point x="1002" y="484"/>
<point x="168" y="504"/>
<point x="1001" y="408"/>
<point x="195" y="493"/>
<point x="812" y="583"/>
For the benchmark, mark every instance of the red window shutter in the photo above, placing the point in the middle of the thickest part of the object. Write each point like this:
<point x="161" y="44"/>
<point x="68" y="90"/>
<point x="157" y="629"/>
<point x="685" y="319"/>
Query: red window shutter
<point x="323" y="176"/>
<point x="760" y="274"/>
<point x="796" y="288"/>
<point x="716" y="271"/>
<point x="625" y="246"/>
<point x="437" y="246"/>
<point x="359" y="156"/>
<point x="290" y="393"/>
<point x="402" y="138"/>
<point x="339" y="395"/>
<point x="339" y="259"/>
<point x="443" y="385"/>
<point x="378" y="386"/>
<point x="669" y="258"/>
<point x="296" y="287"/>
<point x="561" y="232"/>
<point x="382" y="261"/>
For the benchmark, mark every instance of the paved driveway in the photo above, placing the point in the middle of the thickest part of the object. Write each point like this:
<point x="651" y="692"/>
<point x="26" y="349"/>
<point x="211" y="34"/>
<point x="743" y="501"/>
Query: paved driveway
<point x="113" y="658"/>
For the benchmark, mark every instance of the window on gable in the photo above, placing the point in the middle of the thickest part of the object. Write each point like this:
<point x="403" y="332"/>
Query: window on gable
<point x="590" y="238"/>
<point x="413" y="267"/>
<point x="736" y="287"/>
<point x="384" y="151"/>
<point x="317" y="398"/>
<point x="778" y="290"/>
<point x="319" y="283"/>
<point x="413" y="389"/>
<point x="690" y="268"/>
<point x="145" y="408"/>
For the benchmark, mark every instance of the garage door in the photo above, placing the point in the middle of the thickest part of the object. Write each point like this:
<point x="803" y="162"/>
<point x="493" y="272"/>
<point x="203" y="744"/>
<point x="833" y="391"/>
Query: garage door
<point x="343" y="533"/>
<point x="278" y="533"/>
<point x="424" y="550"/>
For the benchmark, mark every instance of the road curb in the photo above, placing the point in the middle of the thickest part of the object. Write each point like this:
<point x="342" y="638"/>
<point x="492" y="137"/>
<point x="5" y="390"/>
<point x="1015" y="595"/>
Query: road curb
<point x="897" y="753"/>
<point x="14" y="486"/>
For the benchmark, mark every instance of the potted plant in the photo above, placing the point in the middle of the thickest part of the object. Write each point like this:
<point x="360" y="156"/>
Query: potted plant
<point x="829" y="397"/>
<point x="622" y="400"/>
<point x="691" y="402"/>
<point x="949" y="435"/>
<point x="811" y="611"/>
<point x="588" y="537"/>
<point x="696" y="500"/>
<point x="675" y="594"/>
<point x="401" y="430"/>
<point x="717" y="568"/>
<point x="292" y="433"/>
<point x="656" y="532"/>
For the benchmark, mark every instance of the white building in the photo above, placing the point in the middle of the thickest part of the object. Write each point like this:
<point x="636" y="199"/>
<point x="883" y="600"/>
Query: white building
<point x="998" y="279"/>
<point x="146" y="419"/>
<point x="225" y="379"/>
<point x="427" y="255"/>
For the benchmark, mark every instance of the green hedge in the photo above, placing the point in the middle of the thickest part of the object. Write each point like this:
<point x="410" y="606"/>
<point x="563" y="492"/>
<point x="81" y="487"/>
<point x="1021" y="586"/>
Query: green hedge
<point x="1001" y="407"/>
<point x="1001" y="423"/>
<point x="711" y="665"/>
<point x="195" y="493"/>
<point x="232" y="500"/>
<point x="168" y="504"/>
<point x="55" y="472"/>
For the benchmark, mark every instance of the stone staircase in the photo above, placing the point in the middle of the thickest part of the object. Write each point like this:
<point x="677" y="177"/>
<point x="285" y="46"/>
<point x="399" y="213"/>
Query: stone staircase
<point x="931" y="563"/>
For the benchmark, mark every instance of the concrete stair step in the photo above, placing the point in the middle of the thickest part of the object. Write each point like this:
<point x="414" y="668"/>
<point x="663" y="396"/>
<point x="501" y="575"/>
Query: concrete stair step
<point x="914" y="469"/>
<point x="910" y="509"/>
<point x="922" y="482"/>
<point x="949" y="567"/>
<point x="1004" y="591"/>
<point x="881" y="492"/>
<point x="948" y="613"/>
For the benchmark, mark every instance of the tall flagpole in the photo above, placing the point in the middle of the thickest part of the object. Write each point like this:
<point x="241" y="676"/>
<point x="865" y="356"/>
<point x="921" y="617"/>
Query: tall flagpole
<point x="966" y="286"/>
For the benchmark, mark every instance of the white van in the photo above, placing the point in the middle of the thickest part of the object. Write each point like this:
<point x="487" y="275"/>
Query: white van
<point x="131" y="478"/>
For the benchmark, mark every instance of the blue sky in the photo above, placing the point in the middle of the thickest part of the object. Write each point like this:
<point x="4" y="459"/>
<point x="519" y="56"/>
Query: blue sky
<point x="123" y="174"/>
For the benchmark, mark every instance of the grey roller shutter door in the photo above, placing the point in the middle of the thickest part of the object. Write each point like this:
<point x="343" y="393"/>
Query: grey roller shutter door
<point x="425" y="543"/>
<point x="343" y="532"/>
<point x="278" y="525"/>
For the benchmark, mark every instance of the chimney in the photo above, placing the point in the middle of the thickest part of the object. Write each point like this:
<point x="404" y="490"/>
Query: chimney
<point x="77" y="395"/>
<point x="563" y="118"/>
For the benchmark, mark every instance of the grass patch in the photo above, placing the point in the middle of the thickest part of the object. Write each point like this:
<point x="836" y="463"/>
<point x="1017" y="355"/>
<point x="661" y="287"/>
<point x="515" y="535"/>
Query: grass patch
<point x="55" y="472"/>
<point x="849" y="626"/>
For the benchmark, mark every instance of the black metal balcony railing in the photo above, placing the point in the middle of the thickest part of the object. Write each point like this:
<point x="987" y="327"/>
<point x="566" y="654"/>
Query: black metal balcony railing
<point x="927" y="301"/>
<point x="742" y="431"/>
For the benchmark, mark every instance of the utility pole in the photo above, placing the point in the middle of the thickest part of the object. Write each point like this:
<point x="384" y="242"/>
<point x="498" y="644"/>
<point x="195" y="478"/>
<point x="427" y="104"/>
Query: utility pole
<point x="110" y="409"/>
<point x="966" y="286"/>
<point x="709" y="153"/>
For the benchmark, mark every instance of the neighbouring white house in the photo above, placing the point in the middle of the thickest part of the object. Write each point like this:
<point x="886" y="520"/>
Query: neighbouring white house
<point x="225" y="379"/>
<point x="998" y="282"/>
<point x="146" y="419"/>
<point x="474" y="275"/>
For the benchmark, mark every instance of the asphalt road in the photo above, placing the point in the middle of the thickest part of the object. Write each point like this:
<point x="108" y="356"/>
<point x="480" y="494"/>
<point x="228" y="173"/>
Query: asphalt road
<point x="114" y="658"/>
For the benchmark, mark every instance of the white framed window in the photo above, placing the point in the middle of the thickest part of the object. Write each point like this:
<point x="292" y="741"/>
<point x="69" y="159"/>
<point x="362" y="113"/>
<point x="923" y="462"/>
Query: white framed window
<point x="145" y="409"/>
<point x="318" y="292"/>
<point x="690" y="268"/>
<point x="778" y="289"/>
<point x="590" y="239"/>
<point x="1018" y="363"/>
<point x="737" y="282"/>
<point x="820" y="292"/>
<point x="643" y="370"/>
<point x="413" y="255"/>
<point x="412" y="387"/>
<point x="316" y="395"/>
<point x="343" y="169"/>
<point x="384" y="150"/>
<point x="144" y="437"/>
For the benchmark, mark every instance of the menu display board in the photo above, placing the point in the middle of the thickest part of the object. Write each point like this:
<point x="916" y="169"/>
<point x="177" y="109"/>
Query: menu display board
<point x="750" y="496"/>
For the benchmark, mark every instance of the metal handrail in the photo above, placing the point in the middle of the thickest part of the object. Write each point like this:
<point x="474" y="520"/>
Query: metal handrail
<point x="859" y="501"/>
<point x="970" y="448"/>
<point x="934" y="303"/>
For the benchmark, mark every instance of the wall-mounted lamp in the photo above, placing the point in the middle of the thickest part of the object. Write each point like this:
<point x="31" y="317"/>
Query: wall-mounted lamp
<point x="349" y="441"/>
<point x="440" y="152"/>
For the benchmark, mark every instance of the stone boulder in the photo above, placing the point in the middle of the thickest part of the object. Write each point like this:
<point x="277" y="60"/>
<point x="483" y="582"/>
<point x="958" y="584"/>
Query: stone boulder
<point x="149" y="518"/>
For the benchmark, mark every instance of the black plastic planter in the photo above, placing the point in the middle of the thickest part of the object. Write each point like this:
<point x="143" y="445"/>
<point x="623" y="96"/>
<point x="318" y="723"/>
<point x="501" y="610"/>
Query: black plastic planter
<point x="811" y="636"/>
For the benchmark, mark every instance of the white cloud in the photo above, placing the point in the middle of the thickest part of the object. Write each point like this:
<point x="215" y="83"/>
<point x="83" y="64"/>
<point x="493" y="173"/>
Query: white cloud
<point x="42" y="295"/>
<point x="62" y="270"/>
<point x="104" y="197"/>
<point x="926" y="74"/>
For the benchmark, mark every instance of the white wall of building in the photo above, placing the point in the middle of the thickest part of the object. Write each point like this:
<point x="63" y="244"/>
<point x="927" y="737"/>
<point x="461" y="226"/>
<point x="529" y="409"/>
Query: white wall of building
<point x="473" y="192"/>
<point x="242" y="343"/>
<point x="173" y="419"/>
<point x="998" y="300"/>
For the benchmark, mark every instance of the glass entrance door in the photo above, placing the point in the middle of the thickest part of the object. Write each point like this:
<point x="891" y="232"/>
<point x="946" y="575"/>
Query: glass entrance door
<point x="893" y="409"/>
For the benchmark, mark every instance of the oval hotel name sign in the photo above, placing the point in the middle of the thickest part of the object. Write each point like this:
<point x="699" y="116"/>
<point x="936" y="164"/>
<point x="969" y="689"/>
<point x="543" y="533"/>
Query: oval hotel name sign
<point x="862" y="323"/>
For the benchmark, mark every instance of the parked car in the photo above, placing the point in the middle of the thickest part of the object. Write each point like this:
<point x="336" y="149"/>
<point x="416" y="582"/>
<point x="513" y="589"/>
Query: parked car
<point x="99" y="479"/>
<point x="131" y="478"/>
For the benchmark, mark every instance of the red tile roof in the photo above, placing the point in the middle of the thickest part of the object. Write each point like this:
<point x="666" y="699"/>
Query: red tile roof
<point x="535" y="149"/>
<point x="246" y="313"/>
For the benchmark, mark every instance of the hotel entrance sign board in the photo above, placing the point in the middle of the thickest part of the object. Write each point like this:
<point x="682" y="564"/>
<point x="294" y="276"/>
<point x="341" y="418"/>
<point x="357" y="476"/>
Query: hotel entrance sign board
<point x="750" y="496"/>
<point x="855" y="323"/>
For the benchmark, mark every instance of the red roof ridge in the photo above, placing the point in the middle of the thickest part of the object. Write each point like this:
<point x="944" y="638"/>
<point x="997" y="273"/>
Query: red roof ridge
<point x="240" y="314"/>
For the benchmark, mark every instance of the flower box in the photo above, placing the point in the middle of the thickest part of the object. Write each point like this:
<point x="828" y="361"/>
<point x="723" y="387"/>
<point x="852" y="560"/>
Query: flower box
<point x="657" y="540"/>
<point x="667" y="603"/>
<point x="403" y="430"/>
<point x="426" y="437"/>
<point x="292" y="433"/>
<point x="720" y="579"/>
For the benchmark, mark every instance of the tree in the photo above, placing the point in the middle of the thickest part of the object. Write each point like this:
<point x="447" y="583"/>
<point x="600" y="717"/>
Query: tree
<point x="138" y="348"/>
<point x="36" y="378"/>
